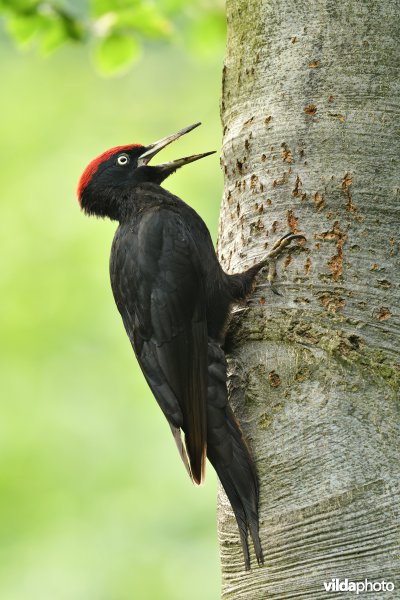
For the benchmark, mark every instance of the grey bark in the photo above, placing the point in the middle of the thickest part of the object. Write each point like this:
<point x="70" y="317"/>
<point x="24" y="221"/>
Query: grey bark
<point x="310" y="111"/>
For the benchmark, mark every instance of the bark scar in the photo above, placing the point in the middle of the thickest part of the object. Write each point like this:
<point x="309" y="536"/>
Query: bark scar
<point x="335" y="264"/>
<point x="346" y="183"/>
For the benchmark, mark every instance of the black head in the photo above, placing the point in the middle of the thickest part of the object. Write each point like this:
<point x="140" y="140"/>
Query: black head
<point x="111" y="177"/>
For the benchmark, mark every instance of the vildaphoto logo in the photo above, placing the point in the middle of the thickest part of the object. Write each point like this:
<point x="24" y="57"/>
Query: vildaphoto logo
<point x="358" y="587"/>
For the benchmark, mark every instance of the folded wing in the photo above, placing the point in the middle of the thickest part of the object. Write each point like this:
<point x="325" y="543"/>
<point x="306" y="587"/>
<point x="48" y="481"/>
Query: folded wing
<point x="158" y="286"/>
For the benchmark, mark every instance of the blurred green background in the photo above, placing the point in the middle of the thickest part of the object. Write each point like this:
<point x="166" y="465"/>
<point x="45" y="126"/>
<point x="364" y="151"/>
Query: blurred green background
<point x="95" y="503"/>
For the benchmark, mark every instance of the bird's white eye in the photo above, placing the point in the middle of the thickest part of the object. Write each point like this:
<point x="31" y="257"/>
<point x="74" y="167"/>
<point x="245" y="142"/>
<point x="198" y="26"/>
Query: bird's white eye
<point x="123" y="159"/>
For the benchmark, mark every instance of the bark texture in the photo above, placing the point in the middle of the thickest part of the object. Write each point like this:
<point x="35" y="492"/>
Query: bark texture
<point x="310" y="111"/>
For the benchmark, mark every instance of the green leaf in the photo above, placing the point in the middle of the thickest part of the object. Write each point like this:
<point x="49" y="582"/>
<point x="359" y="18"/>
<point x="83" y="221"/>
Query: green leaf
<point x="74" y="29"/>
<point x="116" y="52"/>
<point x="54" y="35"/>
<point x="23" y="28"/>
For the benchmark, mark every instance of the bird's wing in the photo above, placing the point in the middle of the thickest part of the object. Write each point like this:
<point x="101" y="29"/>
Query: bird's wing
<point x="159" y="289"/>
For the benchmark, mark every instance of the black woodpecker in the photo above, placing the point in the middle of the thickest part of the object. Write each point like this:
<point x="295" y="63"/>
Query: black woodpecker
<point x="175" y="301"/>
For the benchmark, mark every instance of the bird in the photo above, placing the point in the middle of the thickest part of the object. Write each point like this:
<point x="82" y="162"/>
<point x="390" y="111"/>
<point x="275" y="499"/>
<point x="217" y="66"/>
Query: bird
<point x="175" y="301"/>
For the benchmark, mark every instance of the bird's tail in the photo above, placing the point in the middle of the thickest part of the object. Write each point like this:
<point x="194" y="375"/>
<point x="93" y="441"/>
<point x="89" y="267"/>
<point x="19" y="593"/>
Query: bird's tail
<point x="229" y="455"/>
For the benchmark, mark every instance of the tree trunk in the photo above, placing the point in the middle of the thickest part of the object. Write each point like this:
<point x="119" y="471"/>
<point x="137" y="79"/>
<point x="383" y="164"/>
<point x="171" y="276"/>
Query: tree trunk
<point x="310" y="110"/>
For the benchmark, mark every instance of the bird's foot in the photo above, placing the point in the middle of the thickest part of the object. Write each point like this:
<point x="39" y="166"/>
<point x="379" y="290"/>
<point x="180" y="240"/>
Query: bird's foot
<point x="276" y="251"/>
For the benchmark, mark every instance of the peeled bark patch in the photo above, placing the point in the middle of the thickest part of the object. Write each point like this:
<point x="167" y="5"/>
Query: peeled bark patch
<point x="292" y="221"/>
<point x="274" y="379"/>
<point x="346" y="183"/>
<point x="384" y="314"/>
<point x="310" y="109"/>
<point x="319" y="201"/>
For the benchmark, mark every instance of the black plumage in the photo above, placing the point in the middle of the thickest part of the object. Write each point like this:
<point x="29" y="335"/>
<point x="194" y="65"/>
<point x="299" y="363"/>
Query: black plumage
<point x="175" y="300"/>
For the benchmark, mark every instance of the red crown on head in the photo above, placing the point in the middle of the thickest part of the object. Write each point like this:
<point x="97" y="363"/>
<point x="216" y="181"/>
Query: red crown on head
<point x="96" y="162"/>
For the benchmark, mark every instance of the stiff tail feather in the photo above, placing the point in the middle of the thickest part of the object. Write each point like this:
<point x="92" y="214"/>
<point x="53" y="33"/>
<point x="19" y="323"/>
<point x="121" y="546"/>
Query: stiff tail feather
<point x="230" y="457"/>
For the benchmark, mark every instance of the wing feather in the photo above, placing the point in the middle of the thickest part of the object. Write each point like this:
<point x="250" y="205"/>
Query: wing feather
<point x="158" y="286"/>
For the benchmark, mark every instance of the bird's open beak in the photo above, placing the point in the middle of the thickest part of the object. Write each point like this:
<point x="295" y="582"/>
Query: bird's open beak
<point x="169" y="167"/>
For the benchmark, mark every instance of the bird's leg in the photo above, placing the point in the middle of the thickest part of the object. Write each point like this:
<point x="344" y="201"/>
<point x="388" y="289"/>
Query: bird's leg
<point x="275" y="252"/>
<point x="242" y="284"/>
